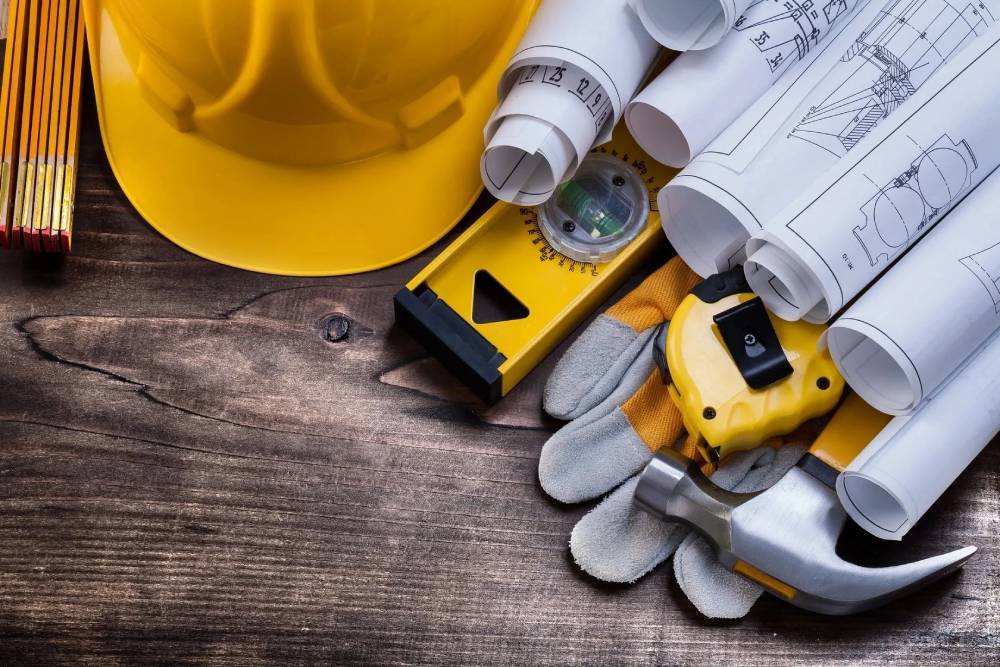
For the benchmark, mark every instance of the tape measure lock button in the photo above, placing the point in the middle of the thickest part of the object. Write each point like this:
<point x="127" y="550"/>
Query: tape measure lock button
<point x="753" y="343"/>
<point x="597" y="213"/>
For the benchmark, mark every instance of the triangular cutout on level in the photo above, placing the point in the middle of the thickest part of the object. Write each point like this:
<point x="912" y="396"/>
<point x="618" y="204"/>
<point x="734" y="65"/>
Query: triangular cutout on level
<point x="492" y="302"/>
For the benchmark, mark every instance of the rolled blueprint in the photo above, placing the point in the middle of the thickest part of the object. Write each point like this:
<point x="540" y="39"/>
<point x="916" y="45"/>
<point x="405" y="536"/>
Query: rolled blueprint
<point x="578" y="65"/>
<point x="902" y="339"/>
<point x="847" y="228"/>
<point x="900" y="474"/>
<point x="805" y="124"/>
<point x="689" y="25"/>
<point x="701" y="93"/>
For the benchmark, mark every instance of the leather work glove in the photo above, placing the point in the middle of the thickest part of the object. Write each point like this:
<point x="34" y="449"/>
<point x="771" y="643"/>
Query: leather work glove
<point x="620" y="413"/>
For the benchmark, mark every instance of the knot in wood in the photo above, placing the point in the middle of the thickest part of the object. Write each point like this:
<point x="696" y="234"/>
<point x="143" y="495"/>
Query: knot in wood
<point x="336" y="327"/>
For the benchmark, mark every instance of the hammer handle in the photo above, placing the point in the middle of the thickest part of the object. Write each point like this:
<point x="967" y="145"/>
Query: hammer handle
<point x="852" y="427"/>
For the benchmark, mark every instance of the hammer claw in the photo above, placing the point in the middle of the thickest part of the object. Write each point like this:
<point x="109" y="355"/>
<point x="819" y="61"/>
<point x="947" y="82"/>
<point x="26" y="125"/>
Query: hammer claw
<point x="864" y="588"/>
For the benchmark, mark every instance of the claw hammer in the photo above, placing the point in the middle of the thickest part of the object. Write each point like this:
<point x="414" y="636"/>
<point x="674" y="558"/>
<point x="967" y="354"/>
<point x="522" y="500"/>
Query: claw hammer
<point x="785" y="538"/>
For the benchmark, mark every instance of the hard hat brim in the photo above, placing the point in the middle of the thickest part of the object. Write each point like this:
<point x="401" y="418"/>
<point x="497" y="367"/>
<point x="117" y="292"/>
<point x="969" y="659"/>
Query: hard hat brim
<point x="278" y="218"/>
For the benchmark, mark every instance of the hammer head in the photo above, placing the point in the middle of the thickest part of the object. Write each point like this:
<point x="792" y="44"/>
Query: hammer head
<point x="784" y="538"/>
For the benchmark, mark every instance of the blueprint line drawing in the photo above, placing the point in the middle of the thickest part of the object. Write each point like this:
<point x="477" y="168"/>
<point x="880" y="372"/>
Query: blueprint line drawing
<point x="786" y="33"/>
<point x="985" y="265"/>
<point x="581" y="87"/>
<point x="935" y="180"/>
<point x="700" y="94"/>
<point x="897" y="52"/>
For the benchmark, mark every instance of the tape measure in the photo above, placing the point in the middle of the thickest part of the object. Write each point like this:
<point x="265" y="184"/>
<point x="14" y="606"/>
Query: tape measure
<point x="519" y="280"/>
<point x="740" y="375"/>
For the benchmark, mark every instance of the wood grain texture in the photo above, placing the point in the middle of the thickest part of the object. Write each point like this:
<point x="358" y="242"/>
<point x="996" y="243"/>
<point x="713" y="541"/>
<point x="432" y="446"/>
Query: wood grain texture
<point x="203" y="465"/>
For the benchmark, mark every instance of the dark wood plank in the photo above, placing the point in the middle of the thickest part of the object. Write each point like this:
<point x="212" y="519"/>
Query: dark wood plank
<point x="198" y="465"/>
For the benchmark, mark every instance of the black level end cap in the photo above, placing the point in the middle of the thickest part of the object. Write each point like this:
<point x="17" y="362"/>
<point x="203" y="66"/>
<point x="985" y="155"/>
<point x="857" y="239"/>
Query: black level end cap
<point x="462" y="349"/>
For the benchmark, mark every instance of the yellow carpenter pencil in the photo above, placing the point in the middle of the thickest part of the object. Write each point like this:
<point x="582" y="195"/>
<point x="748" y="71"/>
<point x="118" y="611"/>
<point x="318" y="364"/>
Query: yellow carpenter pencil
<point x="23" y="177"/>
<point x="73" y="136"/>
<point x="51" y="149"/>
<point x="74" y="14"/>
<point x="10" y="107"/>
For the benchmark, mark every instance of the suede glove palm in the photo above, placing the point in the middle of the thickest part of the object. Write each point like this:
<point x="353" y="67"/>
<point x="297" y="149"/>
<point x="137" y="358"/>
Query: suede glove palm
<point x="620" y="413"/>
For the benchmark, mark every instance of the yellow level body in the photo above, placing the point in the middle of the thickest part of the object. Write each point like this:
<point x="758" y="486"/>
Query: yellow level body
<point x="556" y="292"/>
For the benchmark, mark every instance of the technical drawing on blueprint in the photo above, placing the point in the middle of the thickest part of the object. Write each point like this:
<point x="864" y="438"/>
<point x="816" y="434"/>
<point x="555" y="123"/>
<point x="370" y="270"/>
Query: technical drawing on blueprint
<point x="785" y="32"/>
<point x="903" y="180"/>
<point x="902" y="48"/>
<point x="985" y="265"/>
<point x="928" y="313"/>
<point x="813" y="119"/>
<point x="935" y="180"/>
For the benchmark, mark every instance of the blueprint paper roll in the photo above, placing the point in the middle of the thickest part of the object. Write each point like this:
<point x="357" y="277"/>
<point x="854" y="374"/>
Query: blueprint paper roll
<point x="869" y="67"/>
<point x="689" y="25"/>
<point x="857" y="219"/>
<point x="578" y="65"/>
<point x="901" y="340"/>
<point x="701" y="93"/>
<point x="539" y="133"/>
<point x="907" y="467"/>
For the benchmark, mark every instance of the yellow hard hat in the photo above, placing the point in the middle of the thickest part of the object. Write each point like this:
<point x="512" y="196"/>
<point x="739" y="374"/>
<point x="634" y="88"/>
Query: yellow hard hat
<point x="305" y="137"/>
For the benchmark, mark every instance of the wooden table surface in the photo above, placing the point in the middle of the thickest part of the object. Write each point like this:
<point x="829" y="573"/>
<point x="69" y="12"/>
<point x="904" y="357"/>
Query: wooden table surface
<point x="195" y="466"/>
